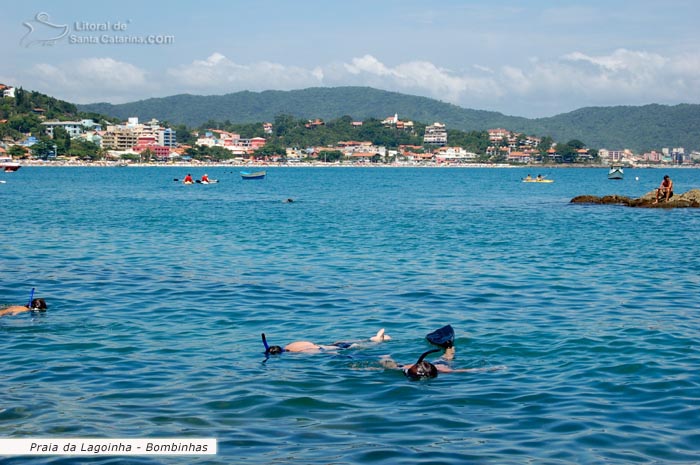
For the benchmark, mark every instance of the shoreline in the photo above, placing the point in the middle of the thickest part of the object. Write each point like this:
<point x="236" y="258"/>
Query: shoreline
<point x="53" y="164"/>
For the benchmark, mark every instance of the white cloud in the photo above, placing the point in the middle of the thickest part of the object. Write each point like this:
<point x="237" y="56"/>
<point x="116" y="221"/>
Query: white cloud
<point x="368" y="64"/>
<point x="422" y="77"/>
<point x="621" y="60"/>
<point x="90" y="80"/>
<point x="536" y="87"/>
<point x="217" y="73"/>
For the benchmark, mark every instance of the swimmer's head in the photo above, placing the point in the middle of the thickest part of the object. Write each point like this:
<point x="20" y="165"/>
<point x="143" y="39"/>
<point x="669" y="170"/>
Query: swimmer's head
<point x="422" y="369"/>
<point x="271" y="350"/>
<point x="38" y="304"/>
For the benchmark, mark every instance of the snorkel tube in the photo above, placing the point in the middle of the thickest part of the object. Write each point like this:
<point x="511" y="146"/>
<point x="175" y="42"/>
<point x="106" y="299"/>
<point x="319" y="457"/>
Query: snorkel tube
<point x="422" y="369"/>
<point x="31" y="298"/>
<point x="420" y="359"/>
<point x="271" y="350"/>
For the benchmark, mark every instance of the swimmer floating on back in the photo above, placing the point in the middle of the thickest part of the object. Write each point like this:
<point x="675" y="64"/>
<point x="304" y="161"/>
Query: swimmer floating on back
<point x="310" y="347"/>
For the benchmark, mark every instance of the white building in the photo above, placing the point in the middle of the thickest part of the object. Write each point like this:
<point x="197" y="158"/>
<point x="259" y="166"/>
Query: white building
<point x="435" y="134"/>
<point x="166" y="137"/>
<point x="122" y="137"/>
<point x="614" y="156"/>
<point x="73" y="128"/>
<point x="453" y="155"/>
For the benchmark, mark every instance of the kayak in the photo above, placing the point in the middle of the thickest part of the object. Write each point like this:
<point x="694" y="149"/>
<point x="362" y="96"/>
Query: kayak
<point x="538" y="180"/>
<point x="211" y="181"/>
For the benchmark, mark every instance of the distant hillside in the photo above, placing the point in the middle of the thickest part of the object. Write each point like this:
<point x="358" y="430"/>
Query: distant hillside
<point x="317" y="102"/>
<point x="638" y="128"/>
<point x="24" y="113"/>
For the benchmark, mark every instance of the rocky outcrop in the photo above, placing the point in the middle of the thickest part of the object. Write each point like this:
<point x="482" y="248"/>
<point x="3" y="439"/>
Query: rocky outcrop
<point x="690" y="199"/>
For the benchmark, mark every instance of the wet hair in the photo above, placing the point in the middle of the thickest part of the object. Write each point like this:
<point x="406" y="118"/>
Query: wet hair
<point x="38" y="304"/>
<point x="271" y="350"/>
<point x="422" y="369"/>
<point x="666" y="177"/>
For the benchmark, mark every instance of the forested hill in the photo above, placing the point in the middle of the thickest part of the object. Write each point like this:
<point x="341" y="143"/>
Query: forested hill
<point x="638" y="128"/>
<point x="317" y="102"/>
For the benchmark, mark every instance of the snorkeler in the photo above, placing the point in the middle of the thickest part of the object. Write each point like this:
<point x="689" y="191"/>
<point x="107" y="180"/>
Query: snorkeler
<point x="422" y="369"/>
<point x="33" y="306"/>
<point x="310" y="347"/>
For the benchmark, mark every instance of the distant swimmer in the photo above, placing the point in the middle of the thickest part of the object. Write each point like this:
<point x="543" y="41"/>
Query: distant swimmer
<point x="289" y="201"/>
<point x="310" y="347"/>
<point x="35" y="305"/>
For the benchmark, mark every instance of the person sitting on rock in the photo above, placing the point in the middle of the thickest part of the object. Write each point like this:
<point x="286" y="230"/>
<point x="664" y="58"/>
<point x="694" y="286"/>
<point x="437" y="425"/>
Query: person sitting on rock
<point x="665" y="189"/>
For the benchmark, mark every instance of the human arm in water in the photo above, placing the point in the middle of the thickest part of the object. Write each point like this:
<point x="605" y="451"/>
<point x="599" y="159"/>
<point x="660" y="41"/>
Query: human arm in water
<point x="421" y="369"/>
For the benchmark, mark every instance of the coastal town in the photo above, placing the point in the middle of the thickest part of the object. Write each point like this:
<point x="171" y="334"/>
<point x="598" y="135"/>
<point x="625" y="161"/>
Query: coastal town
<point x="135" y="142"/>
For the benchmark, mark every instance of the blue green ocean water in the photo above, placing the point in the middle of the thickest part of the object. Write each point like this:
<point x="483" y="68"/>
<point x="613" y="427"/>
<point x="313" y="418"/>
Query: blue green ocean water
<point x="158" y="293"/>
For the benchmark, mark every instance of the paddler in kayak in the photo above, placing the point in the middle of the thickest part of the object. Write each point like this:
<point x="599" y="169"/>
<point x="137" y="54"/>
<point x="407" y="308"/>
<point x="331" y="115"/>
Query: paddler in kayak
<point x="188" y="179"/>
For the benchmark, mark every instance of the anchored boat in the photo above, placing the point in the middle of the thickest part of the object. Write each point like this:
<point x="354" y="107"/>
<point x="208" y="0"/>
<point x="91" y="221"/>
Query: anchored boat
<point x="7" y="165"/>
<point x="616" y="172"/>
<point x="253" y="175"/>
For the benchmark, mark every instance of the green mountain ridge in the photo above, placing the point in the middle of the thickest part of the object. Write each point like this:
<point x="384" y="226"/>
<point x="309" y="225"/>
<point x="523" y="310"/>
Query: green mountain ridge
<point x="637" y="127"/>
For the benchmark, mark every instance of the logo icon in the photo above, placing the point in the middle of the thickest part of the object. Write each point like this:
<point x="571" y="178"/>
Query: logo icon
<point x="42" y="32"/>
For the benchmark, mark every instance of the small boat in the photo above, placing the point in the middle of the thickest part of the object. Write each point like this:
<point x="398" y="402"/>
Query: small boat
<point x="211" y="181"/>
<point x="7" y="165"/>
<point x="616" y="172"/>
<point x="253" y="175"/>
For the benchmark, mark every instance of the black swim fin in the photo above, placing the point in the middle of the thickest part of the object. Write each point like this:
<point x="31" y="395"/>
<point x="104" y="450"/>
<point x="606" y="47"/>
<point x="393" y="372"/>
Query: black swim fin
<point x="443" y="337"/>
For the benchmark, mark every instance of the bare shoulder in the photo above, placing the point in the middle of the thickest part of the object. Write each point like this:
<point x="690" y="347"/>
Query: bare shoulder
<point x="13" y="310"/>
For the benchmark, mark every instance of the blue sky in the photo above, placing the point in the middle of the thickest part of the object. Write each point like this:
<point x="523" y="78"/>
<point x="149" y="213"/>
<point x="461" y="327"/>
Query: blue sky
<point x="525" y="58"/>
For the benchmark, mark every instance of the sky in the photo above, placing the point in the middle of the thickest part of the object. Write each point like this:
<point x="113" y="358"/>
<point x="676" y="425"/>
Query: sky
<point x="524" y="58"/>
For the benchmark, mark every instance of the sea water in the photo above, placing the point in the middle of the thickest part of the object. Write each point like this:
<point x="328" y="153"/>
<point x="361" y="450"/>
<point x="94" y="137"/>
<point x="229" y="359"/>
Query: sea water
<point x="581" y="321"/>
